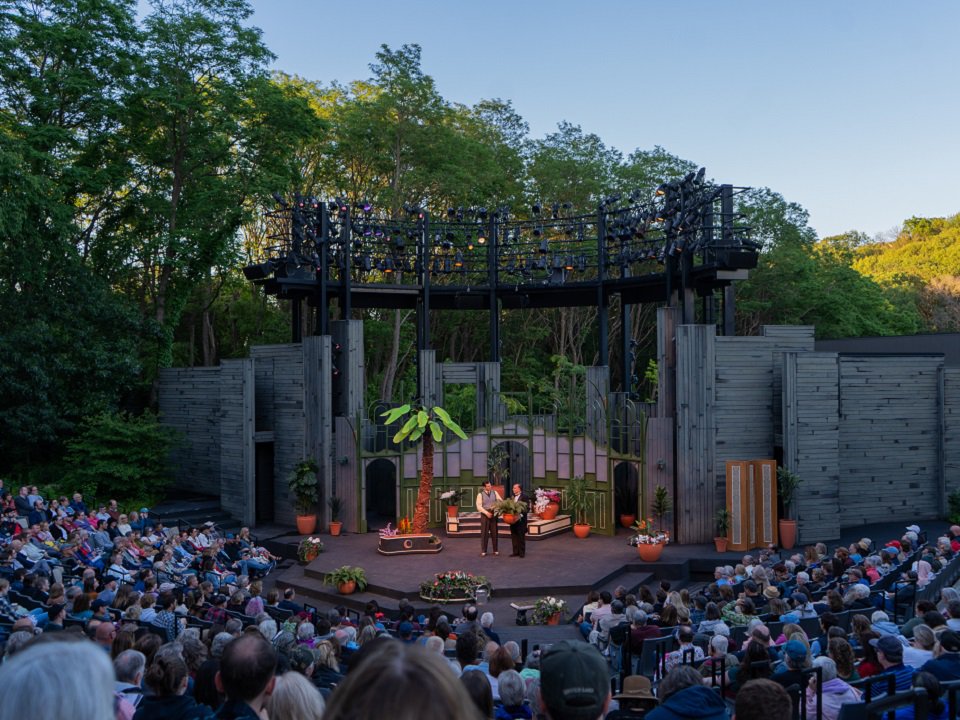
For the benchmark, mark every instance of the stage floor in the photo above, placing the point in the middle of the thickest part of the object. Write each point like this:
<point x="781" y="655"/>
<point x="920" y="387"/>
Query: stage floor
<point x="563" y="566"/>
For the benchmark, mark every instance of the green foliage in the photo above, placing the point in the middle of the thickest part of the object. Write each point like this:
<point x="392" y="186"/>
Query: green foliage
<point x="303" y="486"/>
<point x="121" y="456"/>
<point x="419" y="421"/>
<point x="575" y="496"/>
<point x="723" y="522"/>
<point x="787" y="484"/>
<point x="661" y="503"/>
<point x="335" y="504"/>
<point x="509" y="506"/>
<point x="953" y="507"/>
<point x="345" y="574"/>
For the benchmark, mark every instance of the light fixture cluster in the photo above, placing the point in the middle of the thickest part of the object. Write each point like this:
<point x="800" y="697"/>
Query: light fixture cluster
<point x="473" y="245"/>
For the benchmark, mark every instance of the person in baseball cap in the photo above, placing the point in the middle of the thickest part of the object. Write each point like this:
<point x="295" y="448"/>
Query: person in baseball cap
<point x="574" y="681"/>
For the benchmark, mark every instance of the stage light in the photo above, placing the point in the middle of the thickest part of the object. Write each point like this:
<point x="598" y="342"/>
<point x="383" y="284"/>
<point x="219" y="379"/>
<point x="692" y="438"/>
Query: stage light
<point x="481" y="238"/>
<point x="458" y="260"/>
<point x="662" y="189"/>
<point x="544" y="247"/>
<point x="280" y="200"/>
<point x="451" y="212"/>
<point x="482" y="213"/>
<point x="535" y="209"/>
<point x="258" y="271"/>
<point x="469" y="242"/>
<point x="365" y="206"/>
<point x="568" y="264"/>
<point x="388" y="265"/>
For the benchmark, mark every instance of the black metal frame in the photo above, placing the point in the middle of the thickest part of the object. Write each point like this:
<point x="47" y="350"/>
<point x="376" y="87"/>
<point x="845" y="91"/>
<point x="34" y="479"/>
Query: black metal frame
<point x="682" y="243"/>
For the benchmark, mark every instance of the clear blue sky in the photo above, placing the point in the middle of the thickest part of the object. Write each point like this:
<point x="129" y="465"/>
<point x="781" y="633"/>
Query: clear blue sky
<point x="849" y="107"/>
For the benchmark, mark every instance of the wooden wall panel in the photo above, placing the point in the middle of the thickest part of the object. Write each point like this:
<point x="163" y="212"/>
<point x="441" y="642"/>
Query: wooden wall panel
<point x="694" y="499"/>
<point x="350" y="483"/>
<point x="811" y="441"/>
<point x="889" y="438"/>
<point x="951" y="429"/>
<point x="236" y="439"/>
<point x="189" y="402"/>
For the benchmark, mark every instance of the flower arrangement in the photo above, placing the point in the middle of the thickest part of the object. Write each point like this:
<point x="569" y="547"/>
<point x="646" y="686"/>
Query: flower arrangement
<point x="543" y="497"/>
<point x="404" y="526"/>
<point x="645" y="534"/>
<point x="309" y="548"/>
<point x="452" y="497"/>
<point x="389" y="531"/>
<point x="546" y="607"/>
<point x="452" y="586"/>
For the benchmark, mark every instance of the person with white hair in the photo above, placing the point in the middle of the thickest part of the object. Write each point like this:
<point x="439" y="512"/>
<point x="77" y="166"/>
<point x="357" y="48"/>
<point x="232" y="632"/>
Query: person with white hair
<point x="306" y="633"/>
<point x="268" y="628"/>
<point x="719" y="649"/>
<point x="294" y="696"/>
<point x="87" y="690"/>
<point x="512" y="689"/>
<point x="835" y="691"/>
<point x="129" y="667"/>
<point x="486" y="624"/>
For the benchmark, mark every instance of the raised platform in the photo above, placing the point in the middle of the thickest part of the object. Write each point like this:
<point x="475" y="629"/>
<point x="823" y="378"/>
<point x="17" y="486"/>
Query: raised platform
<point x="468" y="525"/>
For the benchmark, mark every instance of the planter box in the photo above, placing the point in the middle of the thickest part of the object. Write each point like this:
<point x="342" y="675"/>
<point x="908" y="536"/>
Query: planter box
<point x="409" y="545"/>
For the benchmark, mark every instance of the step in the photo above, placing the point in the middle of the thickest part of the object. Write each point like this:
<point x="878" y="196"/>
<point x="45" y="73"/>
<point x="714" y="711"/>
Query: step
<point x="468" y="525"/>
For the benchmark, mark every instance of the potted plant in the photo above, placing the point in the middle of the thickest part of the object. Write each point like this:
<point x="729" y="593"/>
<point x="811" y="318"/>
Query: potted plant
<point x="661" y="504"/>
<point x="309" y="549"/>
<point x="452" y="498"/>
<point x="723" y="524"/>
<point x="548" y="610"/>
<point x="546" y="503"/>
<point x="576" y="495"/>
<point x="510" y="510"/>
<point x="787" y="483"/>
<point x="303" y="488"/>
<point x="346" y="579"/>
<point x="648" y="540"/>
<point x="498" y="467"/>
<point x="453" y="586"/>
<point x="427" y="425"/>
<point x="336" y="510"/>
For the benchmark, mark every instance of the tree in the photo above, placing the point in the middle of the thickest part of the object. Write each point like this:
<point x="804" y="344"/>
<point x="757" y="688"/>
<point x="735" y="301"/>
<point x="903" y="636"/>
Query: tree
<point x="428" y="425"/>
<point x="120" y="455"/>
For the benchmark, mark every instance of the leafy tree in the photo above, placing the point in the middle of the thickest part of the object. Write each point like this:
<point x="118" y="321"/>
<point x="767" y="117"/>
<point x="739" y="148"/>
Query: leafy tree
<point x="428" y="425"/>
<point x="120" y="455"/>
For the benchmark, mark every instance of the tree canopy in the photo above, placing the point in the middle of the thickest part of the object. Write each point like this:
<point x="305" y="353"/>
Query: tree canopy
<point x="137" y="157"/>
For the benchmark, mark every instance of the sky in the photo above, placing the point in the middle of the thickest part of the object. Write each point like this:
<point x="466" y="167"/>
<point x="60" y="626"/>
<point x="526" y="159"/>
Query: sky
<point x="850" y="108"/>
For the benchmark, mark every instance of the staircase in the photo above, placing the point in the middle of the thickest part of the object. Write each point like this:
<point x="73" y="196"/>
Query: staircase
<point x="194" y="511"/>
<point x="468" y="525"/>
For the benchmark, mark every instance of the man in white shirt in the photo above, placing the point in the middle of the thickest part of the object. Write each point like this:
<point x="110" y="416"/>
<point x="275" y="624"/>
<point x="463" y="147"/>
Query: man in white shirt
<point x="487" y="498"/>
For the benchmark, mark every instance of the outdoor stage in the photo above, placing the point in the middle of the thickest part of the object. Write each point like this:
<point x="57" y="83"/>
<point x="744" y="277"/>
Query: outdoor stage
<point x="563" y="566"/>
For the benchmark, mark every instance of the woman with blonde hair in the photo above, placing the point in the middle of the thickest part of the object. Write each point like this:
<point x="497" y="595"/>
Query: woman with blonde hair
<point x="294" y="697"/>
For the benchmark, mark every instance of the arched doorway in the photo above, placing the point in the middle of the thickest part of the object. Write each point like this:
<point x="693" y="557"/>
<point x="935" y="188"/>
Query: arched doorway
<point x="381" y="484"/>
<point x="626" y="490"/>
<point x="512" y="459"/>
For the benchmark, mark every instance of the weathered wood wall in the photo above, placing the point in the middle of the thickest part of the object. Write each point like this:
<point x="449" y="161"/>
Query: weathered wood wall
<point x="236" y="439"/>
<point x="280" y="401"/>
<point x="811" y="434"/>
<point x="317" y="415"/>
<point x="695" y="500"/>
<point x="951" y="429"/>
<point x="190" y="403"/>
<point x="349" y="387"/>
<point x="889" y="438"/>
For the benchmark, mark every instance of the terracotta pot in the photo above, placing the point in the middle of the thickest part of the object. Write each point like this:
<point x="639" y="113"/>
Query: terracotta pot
<point x="550" y="511"/>
<point x="554" y="619"/>
<point x="721" y="544"/>
<point x="788" y="533"/>
<point x="306" y="524"/>
<point x="510" y="518"/>
<point x="310" y="556"/>
<point x="347" y="588"/>
<point x="581" y="530"/>
<point x="335" y="527"/>
<point x="453" y="511"/>
<point x="650" y="552"/>
<point x="627" y="520"/>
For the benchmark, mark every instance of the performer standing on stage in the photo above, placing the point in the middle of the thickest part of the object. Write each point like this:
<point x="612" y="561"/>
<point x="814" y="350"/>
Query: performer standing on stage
<point x="486" y="499"/>
<point x="518" y="531"/>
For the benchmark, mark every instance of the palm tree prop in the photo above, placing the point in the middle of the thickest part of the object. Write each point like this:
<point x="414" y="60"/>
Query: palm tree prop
<point x="428" y="425"/>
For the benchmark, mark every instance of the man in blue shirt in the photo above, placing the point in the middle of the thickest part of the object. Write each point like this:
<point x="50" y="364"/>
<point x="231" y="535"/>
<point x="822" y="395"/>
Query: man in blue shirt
<point x="945" y="665"/>
<point x="890" y="654"/>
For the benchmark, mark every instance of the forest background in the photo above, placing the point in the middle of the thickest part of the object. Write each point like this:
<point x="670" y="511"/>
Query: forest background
<point x="138" y="154"/>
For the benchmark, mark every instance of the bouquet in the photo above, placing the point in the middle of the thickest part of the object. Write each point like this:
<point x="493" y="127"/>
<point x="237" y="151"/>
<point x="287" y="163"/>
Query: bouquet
<point x="546" y="607"/>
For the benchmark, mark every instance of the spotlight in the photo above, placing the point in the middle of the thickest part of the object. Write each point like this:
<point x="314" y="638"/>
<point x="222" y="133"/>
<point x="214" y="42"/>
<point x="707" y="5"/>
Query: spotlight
<point x="469" y="242"/>
<point x="568" y="263"/>
<point x="388" y="265"/>
<point x="458" y="260"/>
<point x="544" y="247"/>
<point x="481" y="237"/>
<point x="451" y="212"/>
<point x="535" y="209"/>
<point x="365" y="206"/>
